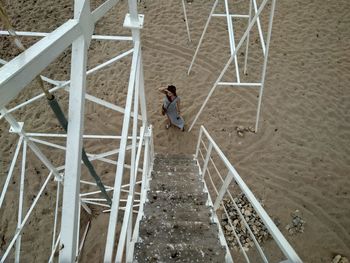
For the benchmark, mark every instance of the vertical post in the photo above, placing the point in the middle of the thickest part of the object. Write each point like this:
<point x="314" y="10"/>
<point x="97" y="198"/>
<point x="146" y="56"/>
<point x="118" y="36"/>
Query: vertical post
<point x="71" y="190"/>
<point x="20" y="205"/>
<point x="56" y="213"/>
<point x="232" y="38"/>
<point x="202" y="36"/>
<point x="12" y="167"/>
<point x="223" y="190"/>
<point x="142" y="94"/>
<point x="265" y="63"/>
<point x="134" y="19"/>
<point x="121" y="158"/>
<point x="199" y="142"/>
<point x="247" y="43"/>
<point x="134" y="167"/>
<point x="151" y="144"/>
<point x="259" y="28"/>
<point x="205" y="166"/>
<point x="78" y="228"/>
<point x="185" y="14"/>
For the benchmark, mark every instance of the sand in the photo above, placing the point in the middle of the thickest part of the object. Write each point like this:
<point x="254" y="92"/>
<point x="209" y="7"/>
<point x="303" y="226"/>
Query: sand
<point x="300" y="157"/>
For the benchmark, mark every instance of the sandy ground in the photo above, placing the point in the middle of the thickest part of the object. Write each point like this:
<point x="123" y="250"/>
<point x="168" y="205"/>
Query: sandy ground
<point x="299" y="159"/>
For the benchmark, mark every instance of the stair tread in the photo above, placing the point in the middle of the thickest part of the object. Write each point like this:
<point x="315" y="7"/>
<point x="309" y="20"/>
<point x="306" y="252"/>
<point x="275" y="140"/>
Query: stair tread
<point x="177" y="214"/>
<point x="175" y="168"/>
<point x="180" y="252"/>
<point x="175" y="229"/>
<point x="176" y="186"/>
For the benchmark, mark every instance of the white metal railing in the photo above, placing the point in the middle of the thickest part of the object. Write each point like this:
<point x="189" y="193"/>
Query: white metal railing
<point x="204" y="153"/>
<point x="16" y="74"/>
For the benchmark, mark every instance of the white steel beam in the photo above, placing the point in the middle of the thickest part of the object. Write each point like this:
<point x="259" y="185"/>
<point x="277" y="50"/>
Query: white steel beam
<point x="202" y="36"/>
<point x="121" y="157"/>
<point x="242" y="84"/>
<point x="43" y="34"/>
<point x="143" y="197"/>
<point x="12" y="167"/>
<point x="247" y="41"/>
<point x="20" y="203"/>
<point x="187" y="27"/>
<point x="99" y="12"/>
<point x="142" y="95"/>
<point x="20" y="71"/>
<point x="232" y="15"/>
<point x="265" y="63"/>
<point x="261" y="35"/>
<point x="56" y="215"/>
<point x="71" y="189"/>
<point x="108" y="62"/>
<point x="232" y="38"/>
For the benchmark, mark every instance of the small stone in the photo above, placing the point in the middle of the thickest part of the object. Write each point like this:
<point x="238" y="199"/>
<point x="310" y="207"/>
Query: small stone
<point x="240" y="134"/>
<point x="296" y="221"/>
<point x="228" y="227"/>
<point x="247" y="213"/>
<point x="251" y="129"/>
<point x="240" y="128"/>
<point x="336" y="259"/>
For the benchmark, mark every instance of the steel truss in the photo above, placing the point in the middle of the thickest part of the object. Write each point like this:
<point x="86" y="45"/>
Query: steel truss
<point x="16" y="74"/>
<point x="253" y="17"/>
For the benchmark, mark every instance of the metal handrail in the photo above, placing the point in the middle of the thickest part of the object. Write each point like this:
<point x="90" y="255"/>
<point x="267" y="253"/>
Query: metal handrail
<point x="280" y="240"/>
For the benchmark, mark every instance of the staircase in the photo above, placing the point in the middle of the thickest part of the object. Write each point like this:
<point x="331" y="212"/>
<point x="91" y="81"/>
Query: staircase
<point x="176" y="226"/>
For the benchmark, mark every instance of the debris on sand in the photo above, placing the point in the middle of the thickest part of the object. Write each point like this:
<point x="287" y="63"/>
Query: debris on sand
<point x="241" y="130"/>
<point x="297" y="224"/>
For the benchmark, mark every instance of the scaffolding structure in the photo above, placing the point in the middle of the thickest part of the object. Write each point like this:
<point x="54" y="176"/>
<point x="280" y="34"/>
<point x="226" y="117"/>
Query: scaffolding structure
<point x="16" y="74"/>
<point x="253" y="17"/>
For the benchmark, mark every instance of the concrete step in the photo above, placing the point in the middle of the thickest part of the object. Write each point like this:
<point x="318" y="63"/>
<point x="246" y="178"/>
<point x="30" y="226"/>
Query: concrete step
<point x="174" y="161"/>
<point x="161" y="167"/>
<point x="177" y="230"/>
<point x="177" y="197"/>
<point x="179" y="252"/>
<point x="170" y="157"/>
<point x="171" y="185"/>
<point x="175" y="176"/>
<point x="178" y="225"/>
<point x="191" y="214"/>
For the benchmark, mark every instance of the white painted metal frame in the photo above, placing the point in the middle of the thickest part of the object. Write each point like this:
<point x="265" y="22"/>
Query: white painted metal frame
<point x="16" y="74"/>
<point x="234" y="50"/>
<point x="186" y="21"/>
<point x="231" y="178"/>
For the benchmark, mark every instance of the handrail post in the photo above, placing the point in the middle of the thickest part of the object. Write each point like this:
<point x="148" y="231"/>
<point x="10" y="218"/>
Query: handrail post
<point x="210" y="147"/>
<point x="199" y="141"/>
<point x="223" y="190"/>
